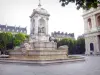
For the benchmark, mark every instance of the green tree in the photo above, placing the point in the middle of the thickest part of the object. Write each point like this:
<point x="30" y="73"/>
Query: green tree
<point x="71" y="43"/>
<point x="1" y="46"/>
<point x="5" y="39"/>
<point x="8" y="41"/>
<point x="27" y="37"/>
<point x="18" y="39"/>
<point x="9" y="37"/>
<point x="16" y="42"/>
<point x="85" y="4"/>
<point x="81" y="45"/>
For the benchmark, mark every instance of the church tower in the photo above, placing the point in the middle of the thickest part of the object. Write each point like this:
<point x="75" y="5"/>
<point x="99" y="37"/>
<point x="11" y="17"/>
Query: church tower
<point x="92" y="30"/>
<point x="39" y="24"/>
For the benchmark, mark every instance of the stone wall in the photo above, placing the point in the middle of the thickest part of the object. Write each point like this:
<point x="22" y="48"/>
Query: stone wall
<point x="91" y="39"/>
<point x="39" y="54"/>
<point x="45" y="45"/>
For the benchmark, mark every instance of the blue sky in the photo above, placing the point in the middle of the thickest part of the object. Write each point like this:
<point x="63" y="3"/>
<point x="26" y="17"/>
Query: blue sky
<point x="64" y="19"/>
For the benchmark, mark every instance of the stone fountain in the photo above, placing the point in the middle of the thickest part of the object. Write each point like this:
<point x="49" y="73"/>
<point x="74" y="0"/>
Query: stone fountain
<point x="39" y="47"/>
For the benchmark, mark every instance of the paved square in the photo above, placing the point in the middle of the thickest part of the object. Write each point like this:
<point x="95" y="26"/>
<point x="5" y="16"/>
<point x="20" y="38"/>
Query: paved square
<point x="90" y="67"/>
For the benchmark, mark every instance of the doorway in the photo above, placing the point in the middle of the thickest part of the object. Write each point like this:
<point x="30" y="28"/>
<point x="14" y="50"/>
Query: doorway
<point x="91" y="48"/>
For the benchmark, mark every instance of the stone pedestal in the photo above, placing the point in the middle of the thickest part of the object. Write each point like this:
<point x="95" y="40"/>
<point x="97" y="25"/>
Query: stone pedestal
<point x="40" y="51"/>
<point x="39" y="54"/>
<point x="44" y="45"/>
<point x="39" y="38"/>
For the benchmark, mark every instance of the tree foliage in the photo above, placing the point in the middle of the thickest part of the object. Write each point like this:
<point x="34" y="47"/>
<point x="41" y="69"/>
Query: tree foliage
<point x="81" y="45"/>
<point x="5" y="38"/>
<point x="9" y="40"/>
<point x="19" y="38"/>
<point x="74" y="46"/>
<point x="85" y="4"/>
<point x="27" y="37"/>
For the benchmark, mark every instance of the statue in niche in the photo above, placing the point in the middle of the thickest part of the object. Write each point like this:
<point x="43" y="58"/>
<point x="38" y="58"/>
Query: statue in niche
<point x="41" y="29"/>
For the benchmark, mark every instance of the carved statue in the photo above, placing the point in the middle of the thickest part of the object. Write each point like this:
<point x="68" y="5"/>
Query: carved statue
<point x="41" y="30"/>
<point x="26" y="46"/>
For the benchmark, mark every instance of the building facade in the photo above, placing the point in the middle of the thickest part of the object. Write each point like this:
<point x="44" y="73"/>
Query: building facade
<point x="12" y="29"/>
<point x="92" y="30"/>
<point x="61" y="35"/>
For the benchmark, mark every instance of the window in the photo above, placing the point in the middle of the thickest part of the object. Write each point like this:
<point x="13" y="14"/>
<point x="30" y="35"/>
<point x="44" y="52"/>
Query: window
<point x="98" y="20"/>
<point x="24" y="31"/>
<point x="90" y="23"/>
<point x="8" y="29"/>
<point x="4" y="29"/>
<point x="13" y="30"/>
<point x="20" y="30"/>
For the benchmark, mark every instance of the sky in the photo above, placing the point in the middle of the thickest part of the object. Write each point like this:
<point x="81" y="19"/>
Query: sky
<point x="64" y="19"/>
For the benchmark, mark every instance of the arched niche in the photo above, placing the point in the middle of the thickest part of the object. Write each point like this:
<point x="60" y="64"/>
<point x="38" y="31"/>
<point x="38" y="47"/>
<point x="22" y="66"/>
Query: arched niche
<point x="89" y="23"/>
<point x="41" y="26"/>
<point x="98" y="20"/>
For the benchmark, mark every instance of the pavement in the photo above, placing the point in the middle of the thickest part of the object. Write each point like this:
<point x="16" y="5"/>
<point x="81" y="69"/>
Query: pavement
<point x="42" y="62"/>
<point x="91" y="66"/>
